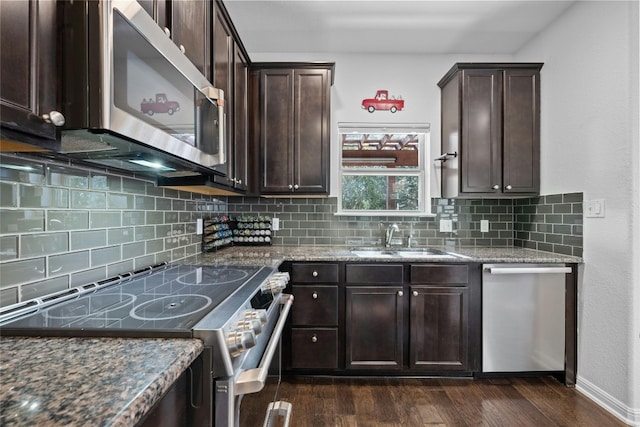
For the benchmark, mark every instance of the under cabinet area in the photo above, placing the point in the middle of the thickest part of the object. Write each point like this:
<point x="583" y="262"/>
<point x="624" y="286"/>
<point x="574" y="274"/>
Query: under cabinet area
<point x="383" y="319"/>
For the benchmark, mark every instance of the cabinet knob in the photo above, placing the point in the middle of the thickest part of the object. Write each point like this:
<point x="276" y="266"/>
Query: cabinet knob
<point x="296" y="186"/>
<point x="495" y="187"/>
<point x="182" y="49"/>
<point x="314" y="274"/>
<point x="508" y="187"/>
<point x="414" y="293"/>
<point x="290" y="187"/>
<point x="314" y="295"/>
<point x="239" y="182"/>
<point x="167" y="31"/>
<point x="400" y="293"/>
<point x="314" y="338"/>
<point x="54" y="117"/>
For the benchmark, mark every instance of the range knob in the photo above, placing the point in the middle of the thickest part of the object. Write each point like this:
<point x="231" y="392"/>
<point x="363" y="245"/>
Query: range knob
<point x="250" y="325"/>
<point x="240" y="340"/>
<point x="260" y="314"/>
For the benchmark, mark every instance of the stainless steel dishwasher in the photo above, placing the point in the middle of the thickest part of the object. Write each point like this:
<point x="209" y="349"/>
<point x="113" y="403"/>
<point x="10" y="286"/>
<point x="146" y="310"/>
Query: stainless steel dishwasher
<point x="523" y="317"/>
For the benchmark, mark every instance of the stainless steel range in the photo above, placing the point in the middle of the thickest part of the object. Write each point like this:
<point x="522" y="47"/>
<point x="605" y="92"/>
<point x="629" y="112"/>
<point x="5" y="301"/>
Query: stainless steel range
<point x="237" y="311"/>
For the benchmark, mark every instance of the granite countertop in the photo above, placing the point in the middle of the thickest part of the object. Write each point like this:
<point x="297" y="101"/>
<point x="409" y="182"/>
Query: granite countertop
<point x="273" y="256"/>
<point x="87" y="381"/>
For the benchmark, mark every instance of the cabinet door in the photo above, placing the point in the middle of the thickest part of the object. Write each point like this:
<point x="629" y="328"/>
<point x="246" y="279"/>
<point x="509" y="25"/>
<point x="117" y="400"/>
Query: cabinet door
<point x="481" y="139"/>
<point x="28" y="66"/>
<point x="315" y="305"/>
<point x="439" y="328"/>
<point x="315" y="348"/>
<point x="158" y="10"/>
<point x="190" y="29"/>
<point x="240" y="126"/>
<point x="374" y="327"/>
<point x="276" y="136"/>
<point x="222" y="79"/>
<point x="311" y="138"/>
<point x="521" y="144"/>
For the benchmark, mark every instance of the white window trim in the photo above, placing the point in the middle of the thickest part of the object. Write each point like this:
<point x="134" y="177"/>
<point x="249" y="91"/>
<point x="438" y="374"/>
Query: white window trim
<point x="424" y="172"/>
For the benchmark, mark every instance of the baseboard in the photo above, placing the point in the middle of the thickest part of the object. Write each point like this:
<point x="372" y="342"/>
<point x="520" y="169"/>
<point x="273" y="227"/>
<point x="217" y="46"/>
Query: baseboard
<point x="630" y="416"/>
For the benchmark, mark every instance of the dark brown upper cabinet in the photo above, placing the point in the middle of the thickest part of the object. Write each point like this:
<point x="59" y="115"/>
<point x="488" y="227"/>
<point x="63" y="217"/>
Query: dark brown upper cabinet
<point x="188" y="23"/>
<point x="294" y="127"/>
<point x="28" y="89"/>
<point x="491" y="130"/>
<point x="230" y="73"/>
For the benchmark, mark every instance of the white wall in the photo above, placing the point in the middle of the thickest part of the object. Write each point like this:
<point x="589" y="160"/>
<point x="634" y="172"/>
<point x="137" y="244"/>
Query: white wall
<point x="589" y="139"/>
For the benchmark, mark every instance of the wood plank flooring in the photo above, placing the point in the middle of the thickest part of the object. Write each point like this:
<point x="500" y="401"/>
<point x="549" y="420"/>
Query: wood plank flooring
<point x="365" y="402"/>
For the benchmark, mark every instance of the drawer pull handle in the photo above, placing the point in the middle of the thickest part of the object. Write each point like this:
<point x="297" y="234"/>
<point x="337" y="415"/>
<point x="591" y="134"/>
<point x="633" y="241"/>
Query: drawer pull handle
<point x="314" y="338"/>
<point x="314" y="295"/>
<point x="314" y="274"/>
<point x="400" y="293"/>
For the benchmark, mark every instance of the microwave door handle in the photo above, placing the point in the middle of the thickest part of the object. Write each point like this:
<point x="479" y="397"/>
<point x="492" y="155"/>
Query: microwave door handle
<point x="217" y="95"/>
<point x="252" y="380"/>
<point x="222" y="144"/>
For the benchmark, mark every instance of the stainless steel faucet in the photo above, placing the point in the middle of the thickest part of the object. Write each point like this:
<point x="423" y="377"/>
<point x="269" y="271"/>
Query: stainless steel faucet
<point x="389" y="234"/>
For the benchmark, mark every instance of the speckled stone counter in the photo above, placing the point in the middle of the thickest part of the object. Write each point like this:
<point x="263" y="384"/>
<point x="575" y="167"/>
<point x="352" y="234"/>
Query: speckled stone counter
<point x="87" y="381"/>
<point x="273" y="256"/>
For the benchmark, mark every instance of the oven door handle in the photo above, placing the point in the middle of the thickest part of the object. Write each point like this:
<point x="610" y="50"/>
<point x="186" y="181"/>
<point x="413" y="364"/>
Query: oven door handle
<point x="252" y="380"/>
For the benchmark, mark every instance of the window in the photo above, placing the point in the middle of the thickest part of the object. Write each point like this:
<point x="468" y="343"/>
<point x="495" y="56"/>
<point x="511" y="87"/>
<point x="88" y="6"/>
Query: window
<point x="383" y="169"/>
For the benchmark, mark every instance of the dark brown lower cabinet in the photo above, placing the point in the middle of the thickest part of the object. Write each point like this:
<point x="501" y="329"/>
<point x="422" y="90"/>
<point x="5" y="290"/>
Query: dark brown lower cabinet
<point x="352" y="318"/>
<point x="314" y="348"/>
<point x="374" y="325"/>
<point x="439" y="324"/>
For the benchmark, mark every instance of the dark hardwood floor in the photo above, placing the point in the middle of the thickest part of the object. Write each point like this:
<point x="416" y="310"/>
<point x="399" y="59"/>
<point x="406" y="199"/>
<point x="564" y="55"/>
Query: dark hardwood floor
<point x="363" y="402"/>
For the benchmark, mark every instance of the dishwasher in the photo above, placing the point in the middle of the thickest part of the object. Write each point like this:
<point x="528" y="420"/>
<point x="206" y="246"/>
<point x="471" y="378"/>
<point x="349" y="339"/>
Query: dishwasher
<point x="523" y="317"/>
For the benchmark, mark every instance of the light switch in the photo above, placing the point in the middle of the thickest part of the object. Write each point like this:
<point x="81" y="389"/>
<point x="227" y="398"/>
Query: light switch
<point x="275" y="224"/>
<point x="484" y="225"/>
<point x="199" y="226"/>
<point x="594" y="208"/>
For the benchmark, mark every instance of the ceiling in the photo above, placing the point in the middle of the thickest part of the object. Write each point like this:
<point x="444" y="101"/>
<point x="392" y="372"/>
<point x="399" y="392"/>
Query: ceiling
<point x="390" y="26"/>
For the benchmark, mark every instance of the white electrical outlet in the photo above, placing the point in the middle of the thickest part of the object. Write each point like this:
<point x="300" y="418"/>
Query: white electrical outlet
<point x="594" y="208"/>
<point x="446" y="225"/>
<point x="484" y="225"/>
<point x="275" y="224"/>
<point x="199" y="226"/>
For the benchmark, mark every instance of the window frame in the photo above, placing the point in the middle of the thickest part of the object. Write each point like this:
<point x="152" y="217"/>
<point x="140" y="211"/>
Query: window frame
<point x="423" y="172"/>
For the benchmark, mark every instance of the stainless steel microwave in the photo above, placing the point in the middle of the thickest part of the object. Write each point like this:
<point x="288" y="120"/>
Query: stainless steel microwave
<point x="132" y="100"/>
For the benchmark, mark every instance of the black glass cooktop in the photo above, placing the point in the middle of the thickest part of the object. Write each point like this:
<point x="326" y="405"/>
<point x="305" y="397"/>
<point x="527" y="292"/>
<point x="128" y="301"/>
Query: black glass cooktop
<point x="164" y="303"/>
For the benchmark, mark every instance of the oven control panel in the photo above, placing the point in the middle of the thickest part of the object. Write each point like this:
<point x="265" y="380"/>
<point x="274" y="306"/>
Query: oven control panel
<point x="243" y="331"/>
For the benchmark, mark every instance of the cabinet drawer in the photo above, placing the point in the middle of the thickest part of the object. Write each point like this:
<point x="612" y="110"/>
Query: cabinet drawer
<point x="440" y="274"/>
<point x="315" y="305"/>
<point x="314" y="273"/>
<point x="314" y="348"/>
<point x="374" y="273"/>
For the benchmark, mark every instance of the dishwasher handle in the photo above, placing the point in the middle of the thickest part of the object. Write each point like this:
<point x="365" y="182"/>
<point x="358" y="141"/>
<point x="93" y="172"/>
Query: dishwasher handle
<point x="527" y="270"/>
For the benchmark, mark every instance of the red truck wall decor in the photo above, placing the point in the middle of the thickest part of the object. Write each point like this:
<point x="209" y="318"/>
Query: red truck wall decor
<point x="160" y="105"/>
<point x="382" y="101"/>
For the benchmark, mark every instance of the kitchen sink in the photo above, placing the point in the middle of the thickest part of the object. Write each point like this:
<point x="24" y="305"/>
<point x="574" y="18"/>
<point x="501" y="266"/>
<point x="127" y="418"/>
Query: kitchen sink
<point x="375" y="252"/>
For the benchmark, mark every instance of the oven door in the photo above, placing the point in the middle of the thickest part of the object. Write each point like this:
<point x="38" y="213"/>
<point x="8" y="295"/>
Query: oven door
<point x="251" y="378"/>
